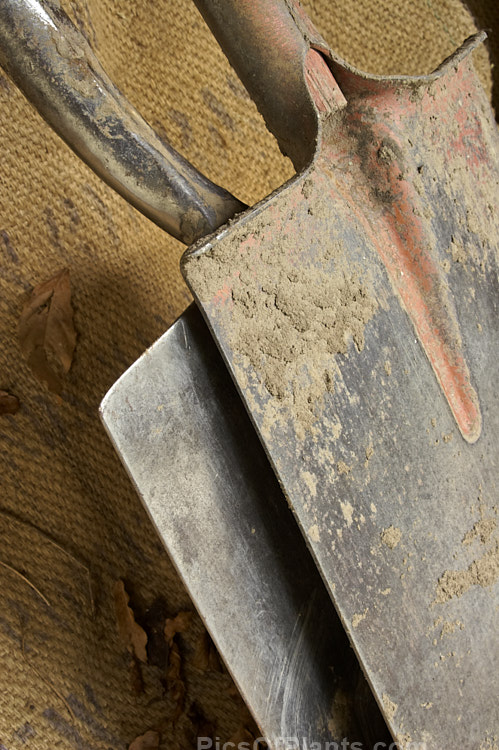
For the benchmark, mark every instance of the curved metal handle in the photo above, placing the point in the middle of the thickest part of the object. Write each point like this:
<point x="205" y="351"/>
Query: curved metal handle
<point x="53" y="65"/>
<point x="266" y="42"/>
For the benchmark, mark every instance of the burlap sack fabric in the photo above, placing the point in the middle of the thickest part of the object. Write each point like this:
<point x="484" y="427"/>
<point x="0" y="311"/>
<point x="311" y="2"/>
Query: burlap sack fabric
<point x="71" y="524"/>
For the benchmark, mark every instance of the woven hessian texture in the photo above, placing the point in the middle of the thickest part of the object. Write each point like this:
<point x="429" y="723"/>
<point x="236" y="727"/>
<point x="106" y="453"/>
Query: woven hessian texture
<point x="70" y="522"/>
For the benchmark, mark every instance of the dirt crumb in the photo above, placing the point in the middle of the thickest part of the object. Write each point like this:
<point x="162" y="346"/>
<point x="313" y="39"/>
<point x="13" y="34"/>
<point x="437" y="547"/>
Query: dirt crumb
<point x="449" y="628"/>
<point x="482" y="530"/>
<point x="457" y="252"/>
<point x="388" y="368"/>
<point x="310" y="481"/>
<point x="391" y="536"/>
<point x="490" y="743"/>
<point x="347" y="510"/>
<point x="484" y="572"/>
<point x="445" y="264"/>
<point x="343" y="468"/>
<point x="313" y="533"/>
<point x="390" y="708"/>
<point x="357" y="618"/>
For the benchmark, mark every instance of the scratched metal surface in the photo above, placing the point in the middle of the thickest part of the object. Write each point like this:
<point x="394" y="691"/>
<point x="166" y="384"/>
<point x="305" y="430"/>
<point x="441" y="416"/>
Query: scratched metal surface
<point x="187" y="443"/>
<point x="394" y="485"/>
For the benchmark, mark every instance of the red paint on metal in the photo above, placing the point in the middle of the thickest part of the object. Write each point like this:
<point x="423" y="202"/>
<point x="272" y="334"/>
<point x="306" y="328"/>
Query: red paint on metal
<point x="403" y="241"/>
<point x="422" y="288"/>
<point x="223" y="295"/>
<point x="324" y="90"/>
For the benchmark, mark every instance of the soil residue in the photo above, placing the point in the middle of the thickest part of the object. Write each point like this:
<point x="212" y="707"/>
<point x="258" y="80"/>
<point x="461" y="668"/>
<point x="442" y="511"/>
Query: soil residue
<point x="482" y="531"/>
<point x="391" y="536"/>
<point x="286" y="312"/>
<point x="484" y="571"/>
<point x="358" y="617"/>
<point x="389" y="707"/>
<point x="289" y="331"/>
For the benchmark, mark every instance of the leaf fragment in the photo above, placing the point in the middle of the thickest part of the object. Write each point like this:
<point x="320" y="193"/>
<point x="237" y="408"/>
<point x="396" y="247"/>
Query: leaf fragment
<point x="46" y="331"/>
<point x="9" y="404"/>
<point x="206" y="656"/>
<point x="153" y="623"/>
<point x="136" y="676"/>
<point x="134" y="637"/>
<point x="177" y="624"/>
<point x="147" y="741"/>
<point x="176" y="686"/>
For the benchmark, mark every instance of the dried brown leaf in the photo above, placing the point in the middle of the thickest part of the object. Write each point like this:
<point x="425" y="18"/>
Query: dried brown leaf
<point x="147" y="741"/>
<point x="177" y="624"/>
<point x="9" y="404"/>
<point x="136" y="677"/>
<point x="206" y="655"/>
<point x="131" y="633"/>
<point x="176" y="685"/>
<point x="153" y="623"/>
<point x="46" y="332"/>
<point x="233" y="692"/>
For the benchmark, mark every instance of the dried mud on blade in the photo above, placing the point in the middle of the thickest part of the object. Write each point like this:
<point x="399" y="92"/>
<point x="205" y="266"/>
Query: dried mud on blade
<point x="357" y="309"/>
<point x="184" y="437"/>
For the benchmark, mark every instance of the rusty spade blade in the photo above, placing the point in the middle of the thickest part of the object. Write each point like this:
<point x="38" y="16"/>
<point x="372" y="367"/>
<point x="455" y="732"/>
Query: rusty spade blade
<point x="357" y="310"/>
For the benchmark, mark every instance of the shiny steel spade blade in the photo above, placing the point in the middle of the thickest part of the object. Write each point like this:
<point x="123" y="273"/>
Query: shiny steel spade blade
<point x="188" y="445"/>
